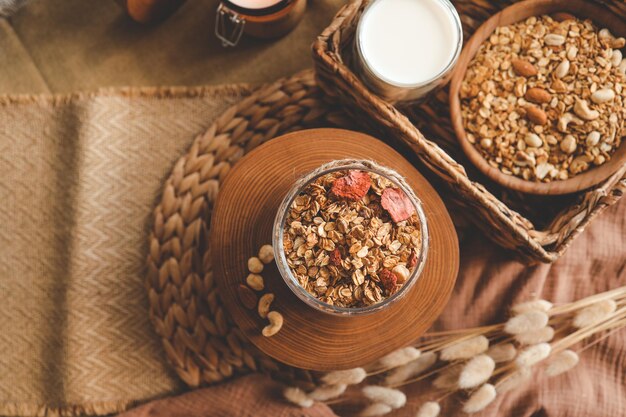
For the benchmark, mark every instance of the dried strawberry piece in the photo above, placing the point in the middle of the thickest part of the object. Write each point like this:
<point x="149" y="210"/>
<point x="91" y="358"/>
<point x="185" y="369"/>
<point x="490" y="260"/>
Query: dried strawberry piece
<point x="335" y="257"/>
<point x="353" y="186"/>
<point x="397" y="204"/>
<point x="388" y="279"/>
<point x="412" y="260"/>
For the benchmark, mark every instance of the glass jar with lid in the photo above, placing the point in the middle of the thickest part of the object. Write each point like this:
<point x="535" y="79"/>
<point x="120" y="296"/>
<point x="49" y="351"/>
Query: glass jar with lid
<point x="258" y="18"/>
<point x="342" y="272"/>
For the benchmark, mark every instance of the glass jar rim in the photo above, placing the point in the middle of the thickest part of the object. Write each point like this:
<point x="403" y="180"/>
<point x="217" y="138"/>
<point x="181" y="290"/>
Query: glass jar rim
<point x="281" y="218"/>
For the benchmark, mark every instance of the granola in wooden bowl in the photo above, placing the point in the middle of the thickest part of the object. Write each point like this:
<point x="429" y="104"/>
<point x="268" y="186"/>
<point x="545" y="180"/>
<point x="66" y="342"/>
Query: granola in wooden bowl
<point x="542" y="101"/>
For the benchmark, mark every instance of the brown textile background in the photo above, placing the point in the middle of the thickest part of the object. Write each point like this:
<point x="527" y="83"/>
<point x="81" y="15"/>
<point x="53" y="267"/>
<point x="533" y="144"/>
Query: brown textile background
<point x="248" y="396"/>
<point x="78" y="179"/>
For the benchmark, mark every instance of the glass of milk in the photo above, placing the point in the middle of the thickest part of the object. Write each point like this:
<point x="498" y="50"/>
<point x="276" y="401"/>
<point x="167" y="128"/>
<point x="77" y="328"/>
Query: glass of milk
<point x="406" y="48"/>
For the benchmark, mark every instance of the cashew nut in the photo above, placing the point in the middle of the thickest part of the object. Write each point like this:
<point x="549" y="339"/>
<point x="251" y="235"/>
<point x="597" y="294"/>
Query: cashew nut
<point x="565" y="120"/>
<point x="568" y="144"/>
<point x="266" y="254"/>
<point x="553" y="39"/>
<point x="264" y="304"/>
<point x="255" y="281"/>
<point x="617" y="43"/>
<point x="533" y="140"/>
<point x="616" y="57"/>
<point x="255" y="265"/>
<point x="593" y="138"/>
<point x="562" y="69"/>
<point x="402" y="273"/>
<point x="572" y="52"/>
<point x="602" y="96"/>
<point x="543" y="169"/>
<point x="582" y="110"/>
<point x="276" y="322"/>
<point x="604" y="33"/>
<point x="579" y="164"/>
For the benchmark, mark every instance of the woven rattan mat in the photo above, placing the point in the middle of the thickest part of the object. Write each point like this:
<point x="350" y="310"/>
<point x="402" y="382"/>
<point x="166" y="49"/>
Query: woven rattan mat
<point x="79" y="176"/>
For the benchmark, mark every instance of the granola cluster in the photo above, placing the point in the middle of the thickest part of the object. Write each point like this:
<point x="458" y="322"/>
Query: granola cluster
<point x="543" y="99"/>
<point x="352" y="238"/>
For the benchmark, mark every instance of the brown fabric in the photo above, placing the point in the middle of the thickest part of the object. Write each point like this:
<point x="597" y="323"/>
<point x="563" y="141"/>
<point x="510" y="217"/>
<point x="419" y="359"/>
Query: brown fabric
<point x="76" y="45"/>
<point x="489" y="283"/>
<point x="78" y="179"/>
<point x="249" y="396"/>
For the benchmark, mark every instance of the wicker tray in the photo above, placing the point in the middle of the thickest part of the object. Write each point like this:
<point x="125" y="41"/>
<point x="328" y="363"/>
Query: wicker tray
<point x="536" y="228"/>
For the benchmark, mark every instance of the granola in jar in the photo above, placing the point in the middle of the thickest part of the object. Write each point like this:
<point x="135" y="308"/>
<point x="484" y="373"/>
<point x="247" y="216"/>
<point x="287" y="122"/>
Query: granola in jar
<point x="352" y="238"/>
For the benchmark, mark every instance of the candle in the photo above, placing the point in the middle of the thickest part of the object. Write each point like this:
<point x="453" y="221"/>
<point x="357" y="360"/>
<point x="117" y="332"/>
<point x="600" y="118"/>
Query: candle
<point x="407" y="47"/>
<point x="255" y="4"/>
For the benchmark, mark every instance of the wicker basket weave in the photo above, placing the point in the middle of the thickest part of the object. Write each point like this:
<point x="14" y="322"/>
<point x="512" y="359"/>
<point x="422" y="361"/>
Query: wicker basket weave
<point x="537" y="229"/>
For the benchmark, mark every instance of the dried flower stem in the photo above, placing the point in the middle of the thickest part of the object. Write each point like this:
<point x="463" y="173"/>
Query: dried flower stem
<point x="507" y="373"/>
<point x="615" y="320"/>
<point x="618" y="293"/>
<point x="603" y="337"/>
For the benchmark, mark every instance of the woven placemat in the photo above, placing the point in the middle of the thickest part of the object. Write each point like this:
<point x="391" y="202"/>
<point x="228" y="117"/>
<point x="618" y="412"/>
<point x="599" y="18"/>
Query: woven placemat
<point x="79" y="175"/>
<point x="201" y="341"/>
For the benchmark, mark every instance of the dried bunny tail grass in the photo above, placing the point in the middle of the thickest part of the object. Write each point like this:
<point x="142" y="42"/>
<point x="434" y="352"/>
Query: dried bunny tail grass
<point x="399" y="357"/>
<point x="513" y="380"/>
<point x="476" y="372"/>
<point x="392" y="397"/>
<point x="376" y="409"/>
<point x="618" y="293"/>
<point x="429" y="409"/>
<point x="480" y="399"/>
<point x="545" y="334"/>
<point x="348" y="377"/>
<point x="465" y="349"/>
<point x="533" y="354"/>
<point x="526" y="322"/>
<point x="562" y="362"/>
<point x="535" y="305"/>
<point x="502" y="353"/>
<point x="594" y="313"/>
<point x="448" y="378"/>
<point x="327" y="392"/>
<point x="298" y="397"/>
<point x="411" y="369"/>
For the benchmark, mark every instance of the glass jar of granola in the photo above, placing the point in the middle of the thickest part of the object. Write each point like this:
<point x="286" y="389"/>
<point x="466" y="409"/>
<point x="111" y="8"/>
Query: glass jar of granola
<point x="350" y="237"/>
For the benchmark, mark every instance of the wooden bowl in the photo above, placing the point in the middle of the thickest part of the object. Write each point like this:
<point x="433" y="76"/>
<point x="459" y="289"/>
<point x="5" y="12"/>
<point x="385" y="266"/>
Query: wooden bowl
<point x="602" y="17"/>
<point x="243" y="220"/>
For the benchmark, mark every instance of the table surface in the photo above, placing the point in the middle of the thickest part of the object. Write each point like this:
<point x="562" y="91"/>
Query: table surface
<point x="77" y="45"/>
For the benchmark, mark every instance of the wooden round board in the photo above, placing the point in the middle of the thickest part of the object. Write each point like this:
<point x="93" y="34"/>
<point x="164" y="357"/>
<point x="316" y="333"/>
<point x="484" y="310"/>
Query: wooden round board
<point x="242" y="221"/>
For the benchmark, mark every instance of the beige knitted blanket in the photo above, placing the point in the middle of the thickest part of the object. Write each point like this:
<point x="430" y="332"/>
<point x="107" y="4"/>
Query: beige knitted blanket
<point x="78" y="179"/>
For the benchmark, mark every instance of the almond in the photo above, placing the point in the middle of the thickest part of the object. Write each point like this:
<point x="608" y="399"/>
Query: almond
<point x="536" y="115"/>
<point x="537" y="95"/>
<point x="247" y="296"/>
<point x="523" y="68"/>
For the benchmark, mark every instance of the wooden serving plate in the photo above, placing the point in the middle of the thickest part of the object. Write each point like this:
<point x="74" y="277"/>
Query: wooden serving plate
<point x="242" y="221"/>
<point x="517" y="12"/>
